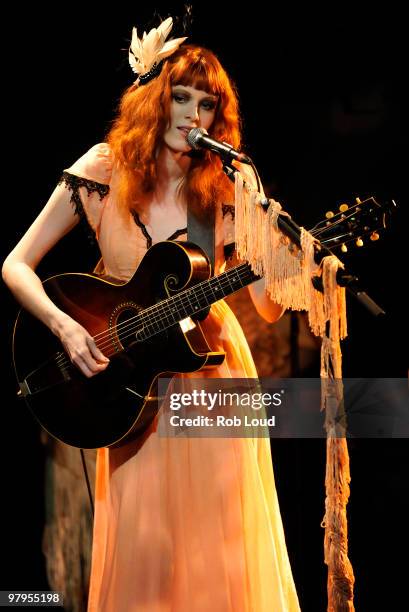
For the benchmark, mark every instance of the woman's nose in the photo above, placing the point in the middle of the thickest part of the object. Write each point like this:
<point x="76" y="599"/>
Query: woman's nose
<point x="192" y="112"/>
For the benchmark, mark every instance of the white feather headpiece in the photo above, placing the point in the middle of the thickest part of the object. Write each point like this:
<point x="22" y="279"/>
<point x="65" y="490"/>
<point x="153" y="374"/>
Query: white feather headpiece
<point x="147" y="52"/>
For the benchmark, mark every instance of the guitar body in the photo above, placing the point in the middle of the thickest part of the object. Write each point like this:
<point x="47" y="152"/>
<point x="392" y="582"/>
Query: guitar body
<point x="121" y="402"/>
<point x="136" y="325"/>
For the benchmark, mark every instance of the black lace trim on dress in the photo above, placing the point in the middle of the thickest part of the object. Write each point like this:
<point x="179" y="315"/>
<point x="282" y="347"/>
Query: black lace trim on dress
<point x="75" y="182"/>
<point x="145" y="232"/>
<point x="143" y="228"/>
<point x="178" y="233"/>
<point x="228" y="209"/>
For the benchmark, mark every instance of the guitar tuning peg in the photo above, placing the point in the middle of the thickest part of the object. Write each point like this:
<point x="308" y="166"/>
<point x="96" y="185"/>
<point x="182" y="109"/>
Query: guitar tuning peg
<point x="344" y="248"/>
<point x="329" y="214"/>
<point x="343" y="207"/>
<point x="374" y="236"/>
<point x="358" y="200"/>
<point x="359" y="242"/>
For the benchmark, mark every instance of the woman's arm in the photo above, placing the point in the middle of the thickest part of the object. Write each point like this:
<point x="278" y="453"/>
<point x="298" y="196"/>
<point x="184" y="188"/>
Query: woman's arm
<point x="266" y="308"/>
<point x="55" y="220"/>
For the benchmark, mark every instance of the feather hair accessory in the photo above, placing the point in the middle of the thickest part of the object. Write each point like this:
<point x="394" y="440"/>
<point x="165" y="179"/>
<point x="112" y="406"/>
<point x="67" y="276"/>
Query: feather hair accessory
<point x="146" y="54"/>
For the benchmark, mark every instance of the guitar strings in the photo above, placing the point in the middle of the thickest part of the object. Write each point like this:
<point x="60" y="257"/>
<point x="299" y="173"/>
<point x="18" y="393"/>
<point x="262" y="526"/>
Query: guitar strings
<point x="154" y="314"/>
<point x="62" y="359"/>
<point x="342" y="217"/>
<point x="147" y="312"/>
<point x="157" y="307"/>
<point x="162" y="307"/>
<point x="335" y="220"/>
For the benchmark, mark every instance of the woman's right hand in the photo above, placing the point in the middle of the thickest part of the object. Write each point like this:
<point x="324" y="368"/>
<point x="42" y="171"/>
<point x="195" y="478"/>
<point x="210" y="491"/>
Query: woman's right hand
<point x="81" y="347"/>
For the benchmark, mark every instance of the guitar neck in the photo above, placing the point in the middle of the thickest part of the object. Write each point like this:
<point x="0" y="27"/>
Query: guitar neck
<point x="191" y="301"/>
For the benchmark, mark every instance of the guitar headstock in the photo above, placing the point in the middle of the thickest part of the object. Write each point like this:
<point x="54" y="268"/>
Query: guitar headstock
<point x="352" y="224"/>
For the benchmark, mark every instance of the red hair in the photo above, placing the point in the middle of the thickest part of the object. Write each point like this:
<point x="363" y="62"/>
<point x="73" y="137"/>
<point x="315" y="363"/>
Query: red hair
<point x="144" y="114"/>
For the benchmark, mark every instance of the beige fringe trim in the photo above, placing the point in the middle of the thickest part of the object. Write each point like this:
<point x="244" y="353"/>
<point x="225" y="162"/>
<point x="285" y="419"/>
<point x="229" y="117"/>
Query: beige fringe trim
<point x="288" y="272"/>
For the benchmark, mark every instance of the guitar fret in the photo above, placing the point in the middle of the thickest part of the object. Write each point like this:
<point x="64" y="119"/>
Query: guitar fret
<point x="206" y="300"/>
<point x="182" y="305"/>
<point x="154" y="325"/>
<point x="172" y="311"/>
<point x="168" y="314"/>
<point x="215" y="296"/>
<point x="180" y="315"/>
<point x="219" y="289"/>
<point x="232" y="286"/>
<point x="192" y="307"/>
<point x="195" y="304"/>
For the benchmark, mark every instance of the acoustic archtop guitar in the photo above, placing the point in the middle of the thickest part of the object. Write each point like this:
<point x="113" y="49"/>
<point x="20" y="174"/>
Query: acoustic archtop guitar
<point x="137" y="325"/>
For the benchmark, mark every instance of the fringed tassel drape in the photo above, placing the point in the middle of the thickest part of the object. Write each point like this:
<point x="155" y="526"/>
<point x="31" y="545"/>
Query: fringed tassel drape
<point x="288" y="272"/>
<point x="337" y="477"/>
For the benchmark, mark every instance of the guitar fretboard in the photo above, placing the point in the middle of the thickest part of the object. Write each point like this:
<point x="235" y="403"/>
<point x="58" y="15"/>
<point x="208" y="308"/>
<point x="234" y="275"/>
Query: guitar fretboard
<point x="164" y="314"/>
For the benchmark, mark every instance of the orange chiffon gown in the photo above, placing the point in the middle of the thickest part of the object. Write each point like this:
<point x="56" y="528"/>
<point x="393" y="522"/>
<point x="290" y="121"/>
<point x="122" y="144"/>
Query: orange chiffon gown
<point x="181" y="524"/>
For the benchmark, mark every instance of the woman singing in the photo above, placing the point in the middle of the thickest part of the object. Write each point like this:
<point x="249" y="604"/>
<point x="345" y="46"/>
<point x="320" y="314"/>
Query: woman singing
<point x="181" y="524"/>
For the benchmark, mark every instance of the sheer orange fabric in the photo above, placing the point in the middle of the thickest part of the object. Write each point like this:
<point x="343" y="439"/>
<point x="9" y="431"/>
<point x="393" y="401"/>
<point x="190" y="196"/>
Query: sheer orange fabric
<point x="183" y="524"/>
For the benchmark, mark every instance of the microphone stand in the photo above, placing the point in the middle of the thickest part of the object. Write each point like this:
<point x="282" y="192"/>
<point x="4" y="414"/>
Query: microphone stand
<point x="293" y="231"/>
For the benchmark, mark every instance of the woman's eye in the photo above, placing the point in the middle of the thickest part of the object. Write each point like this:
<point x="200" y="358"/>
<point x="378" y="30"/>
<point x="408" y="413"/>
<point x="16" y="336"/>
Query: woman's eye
<point x="209" y="106"/>
<point x="179" y="98"/>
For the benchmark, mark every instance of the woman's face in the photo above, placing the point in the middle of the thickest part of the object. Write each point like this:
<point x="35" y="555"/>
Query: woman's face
<point x="190" y="108"/>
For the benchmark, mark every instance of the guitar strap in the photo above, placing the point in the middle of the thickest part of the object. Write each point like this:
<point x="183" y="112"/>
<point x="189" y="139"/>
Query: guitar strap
<point x="201" y="229"/>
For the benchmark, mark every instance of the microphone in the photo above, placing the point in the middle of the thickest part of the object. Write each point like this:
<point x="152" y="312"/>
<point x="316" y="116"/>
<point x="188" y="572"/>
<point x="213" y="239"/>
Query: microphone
<point x="198" y="138"/>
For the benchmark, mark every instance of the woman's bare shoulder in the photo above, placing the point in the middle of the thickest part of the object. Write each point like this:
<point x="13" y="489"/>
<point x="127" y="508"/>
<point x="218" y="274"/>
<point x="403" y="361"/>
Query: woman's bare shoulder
<point x="95" y="164"/>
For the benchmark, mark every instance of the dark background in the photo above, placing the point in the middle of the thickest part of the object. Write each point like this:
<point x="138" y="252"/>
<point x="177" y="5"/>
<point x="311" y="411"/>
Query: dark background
<point x="325" y="118"/>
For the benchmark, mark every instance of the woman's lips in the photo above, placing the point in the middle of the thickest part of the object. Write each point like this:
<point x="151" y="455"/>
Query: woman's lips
<point x="185" y="131"/>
